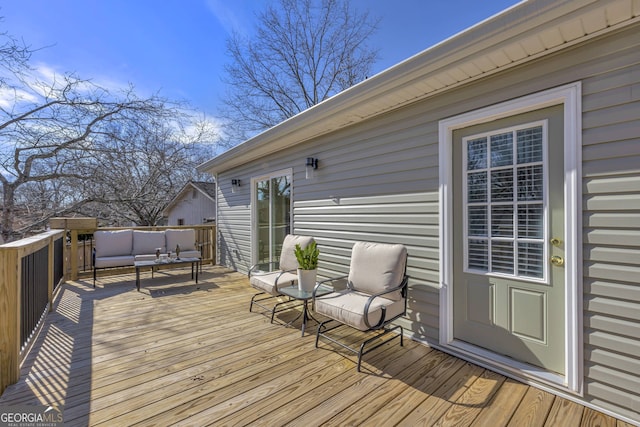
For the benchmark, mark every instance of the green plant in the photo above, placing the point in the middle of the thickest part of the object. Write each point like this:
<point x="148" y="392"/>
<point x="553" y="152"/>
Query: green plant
<point x="307" y="257"/>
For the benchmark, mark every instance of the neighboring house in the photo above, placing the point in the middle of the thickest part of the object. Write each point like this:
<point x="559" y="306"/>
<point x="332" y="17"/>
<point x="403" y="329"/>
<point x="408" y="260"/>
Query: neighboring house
<point x="194" y="204"/>
<point x="507" y="160"/>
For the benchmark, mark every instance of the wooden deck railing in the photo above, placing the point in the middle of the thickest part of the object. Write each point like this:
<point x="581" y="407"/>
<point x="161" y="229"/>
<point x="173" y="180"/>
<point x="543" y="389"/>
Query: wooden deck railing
<point x="30" y="271"/>
<point x="32" y="268"/>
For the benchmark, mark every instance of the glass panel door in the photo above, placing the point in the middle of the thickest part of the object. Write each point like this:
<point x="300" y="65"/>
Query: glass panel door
<point x="263" y="220"/>
<point x="273" y="216"/>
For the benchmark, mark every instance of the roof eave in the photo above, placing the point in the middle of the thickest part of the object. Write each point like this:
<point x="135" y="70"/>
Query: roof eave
<point x="522" y="22"/>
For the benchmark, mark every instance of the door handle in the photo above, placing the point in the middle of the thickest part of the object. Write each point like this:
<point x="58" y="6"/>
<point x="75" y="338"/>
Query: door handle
<point x="557" y="261"/>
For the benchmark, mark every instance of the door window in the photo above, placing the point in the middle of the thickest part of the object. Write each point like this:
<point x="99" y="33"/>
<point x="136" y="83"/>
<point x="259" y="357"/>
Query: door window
<point x="505" y="202"/>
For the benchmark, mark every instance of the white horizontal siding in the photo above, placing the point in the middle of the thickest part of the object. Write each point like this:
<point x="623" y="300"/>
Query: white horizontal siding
<point x="233" y="225"/>
<point x="192" y="211"/>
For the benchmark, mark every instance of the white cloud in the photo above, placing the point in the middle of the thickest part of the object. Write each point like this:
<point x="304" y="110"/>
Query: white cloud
<point x="10" y="97"/>
<point x="35" y="85"/>
<point x="204" y="127"/>
<point x="226" y="16"/>
<point x="49" y="75"/>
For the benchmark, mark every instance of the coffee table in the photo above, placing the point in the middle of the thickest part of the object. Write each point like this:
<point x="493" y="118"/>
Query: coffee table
<point x="304" y="296"/>
<point x="175" y="262"/>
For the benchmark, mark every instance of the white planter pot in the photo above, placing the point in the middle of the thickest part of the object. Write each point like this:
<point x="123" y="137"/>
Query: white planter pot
<point x="307" y="279"/>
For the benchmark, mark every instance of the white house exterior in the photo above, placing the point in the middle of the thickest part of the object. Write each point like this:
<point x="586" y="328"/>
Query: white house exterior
<point x="194" y="204"/>
<point x="507" y="160"/>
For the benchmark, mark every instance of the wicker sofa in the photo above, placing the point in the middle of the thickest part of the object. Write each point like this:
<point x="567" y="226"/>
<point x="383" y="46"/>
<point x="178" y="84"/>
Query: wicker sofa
<point x="121" y="248"/>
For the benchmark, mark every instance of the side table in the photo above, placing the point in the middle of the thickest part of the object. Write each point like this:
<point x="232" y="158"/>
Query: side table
<point x="304" y="296"/>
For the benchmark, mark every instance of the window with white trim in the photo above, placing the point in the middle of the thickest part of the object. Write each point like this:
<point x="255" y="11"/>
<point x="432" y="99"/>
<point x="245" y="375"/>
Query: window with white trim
<point x="505" y="199"/>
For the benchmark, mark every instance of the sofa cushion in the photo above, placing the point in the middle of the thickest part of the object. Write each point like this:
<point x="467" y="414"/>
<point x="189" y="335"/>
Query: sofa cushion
<point x="144" y="257"/>
<point x="146" y="242"/>
<point x="188" y="254"/>
<point x="377" y="267"/>
<point x="113" y="243"/>
<point x="114" y="261"/>
<point x="185" y="238"/>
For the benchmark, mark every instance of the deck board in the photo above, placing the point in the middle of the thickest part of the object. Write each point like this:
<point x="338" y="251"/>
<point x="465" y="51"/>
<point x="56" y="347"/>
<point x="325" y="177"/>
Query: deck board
<point x="178" y="353"/>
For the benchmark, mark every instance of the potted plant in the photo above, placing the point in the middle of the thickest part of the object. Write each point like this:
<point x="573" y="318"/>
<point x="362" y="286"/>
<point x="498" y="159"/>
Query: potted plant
<point x="307" y="266"/>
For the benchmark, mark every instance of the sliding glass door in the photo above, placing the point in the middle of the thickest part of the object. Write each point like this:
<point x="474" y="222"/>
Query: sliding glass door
<point x="272" y="215"/>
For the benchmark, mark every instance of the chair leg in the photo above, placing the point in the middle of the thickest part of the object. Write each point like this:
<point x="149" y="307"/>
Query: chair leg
<point x="275" y="310"/>
<point x="318" y="331"/>
<point x="322" y="329"/>
<point x="362" y="352"/>
<point x="253" y="299"/>
<point x="257" y="302"/>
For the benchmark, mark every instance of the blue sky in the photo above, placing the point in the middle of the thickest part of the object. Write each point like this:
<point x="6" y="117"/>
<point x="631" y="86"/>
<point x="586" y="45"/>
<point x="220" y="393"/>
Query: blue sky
<point x="177" y="47"/>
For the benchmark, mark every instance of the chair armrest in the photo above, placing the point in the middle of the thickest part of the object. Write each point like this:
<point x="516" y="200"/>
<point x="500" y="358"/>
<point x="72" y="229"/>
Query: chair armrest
<point x="402" y="288"/>
<point x="331" y="279"/>
<point x="260" y="264"/>
<point x="324" y="283"/>
<point x="280" y="275"/>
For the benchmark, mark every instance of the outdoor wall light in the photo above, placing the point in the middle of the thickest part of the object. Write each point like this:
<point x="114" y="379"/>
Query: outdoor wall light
<point x="311" y="166"/>
<point x="235" y="185"/>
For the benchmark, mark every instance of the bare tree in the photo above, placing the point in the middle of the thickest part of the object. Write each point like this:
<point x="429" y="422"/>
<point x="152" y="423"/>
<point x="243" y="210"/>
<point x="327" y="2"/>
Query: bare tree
<point x="68" y="145"/>
<point x="144" y="168"/>
<point x="53" y="130"/>
<point x="14" y="56"/>
<point x="303" y="52"/>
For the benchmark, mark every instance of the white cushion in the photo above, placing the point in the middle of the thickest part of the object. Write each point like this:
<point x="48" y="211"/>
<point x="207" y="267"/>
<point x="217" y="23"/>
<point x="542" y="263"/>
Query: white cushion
<point x="347" y="307"/>
<point x="113" y="243"/>
<point x="376" y="267"/>
<point x="266" y="282"/>
<point x="188" y="254"/>
<point x="185" y="238"/>
<point x="288" y="259"/>
<point x="148" y="257"/>
<point x="146" y="242"/>
<point x="114" y="261"/>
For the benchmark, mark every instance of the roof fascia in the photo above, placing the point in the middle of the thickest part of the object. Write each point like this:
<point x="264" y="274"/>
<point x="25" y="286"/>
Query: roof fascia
<point x="524" y="18"/>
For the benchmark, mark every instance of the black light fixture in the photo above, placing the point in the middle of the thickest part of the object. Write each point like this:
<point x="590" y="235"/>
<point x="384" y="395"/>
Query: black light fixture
<point x="311" y="166"/>
<point x="235" y="185"/>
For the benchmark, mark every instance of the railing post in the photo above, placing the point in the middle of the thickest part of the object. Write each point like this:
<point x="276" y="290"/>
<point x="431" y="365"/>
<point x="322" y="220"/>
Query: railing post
<point x="51" y="274"/>
<point x="10" y="266"/>
<point x="212" y="239"/>
<point x="74" y="226"/>
<point x="74" y="255"/>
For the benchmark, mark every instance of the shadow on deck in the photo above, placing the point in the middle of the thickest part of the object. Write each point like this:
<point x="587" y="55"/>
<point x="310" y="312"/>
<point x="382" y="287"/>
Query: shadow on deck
<point x="191" y="354"/>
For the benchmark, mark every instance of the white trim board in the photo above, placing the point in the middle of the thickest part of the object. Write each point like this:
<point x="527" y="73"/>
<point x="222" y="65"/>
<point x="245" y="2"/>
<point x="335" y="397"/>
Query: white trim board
<point x="570" y="96"/>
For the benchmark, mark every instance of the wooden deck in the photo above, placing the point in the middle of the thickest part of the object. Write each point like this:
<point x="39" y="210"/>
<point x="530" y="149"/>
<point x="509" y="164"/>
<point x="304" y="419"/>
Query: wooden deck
<point x="186" y="354"/>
